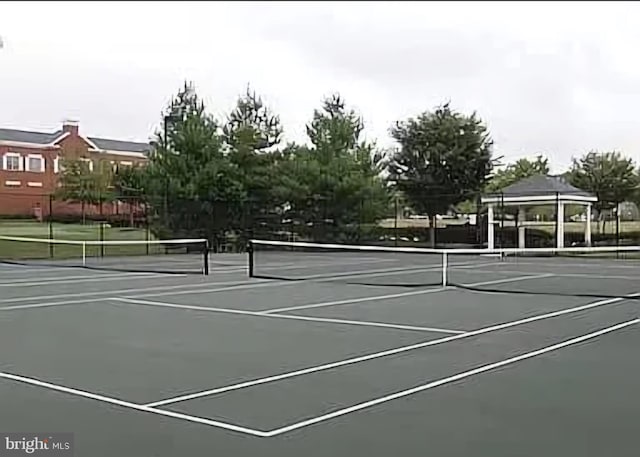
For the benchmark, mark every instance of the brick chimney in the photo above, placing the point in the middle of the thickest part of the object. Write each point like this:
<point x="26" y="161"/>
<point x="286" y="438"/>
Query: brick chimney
<point x="70" y="126"/>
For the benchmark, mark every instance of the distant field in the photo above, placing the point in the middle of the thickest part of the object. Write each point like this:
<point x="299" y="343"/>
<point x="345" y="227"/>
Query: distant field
<point x="80" y="232"/>
<point x="72" y="232"/>
<point x="548" y="226"/>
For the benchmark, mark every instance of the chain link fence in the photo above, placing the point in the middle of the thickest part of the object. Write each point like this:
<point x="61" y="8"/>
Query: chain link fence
<point x="229" y="224"/>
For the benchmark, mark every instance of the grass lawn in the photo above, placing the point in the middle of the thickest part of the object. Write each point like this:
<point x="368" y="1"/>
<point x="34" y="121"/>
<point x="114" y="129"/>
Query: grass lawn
<point x="68" y="232"/>
<point x="548" y="226"/>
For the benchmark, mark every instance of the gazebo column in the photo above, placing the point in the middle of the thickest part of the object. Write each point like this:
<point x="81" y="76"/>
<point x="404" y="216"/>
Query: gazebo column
<point x="560" y="225"/>
<point x="491" y="240"/>
<point x="587" y="227"/>
<point x="521" y="227"/>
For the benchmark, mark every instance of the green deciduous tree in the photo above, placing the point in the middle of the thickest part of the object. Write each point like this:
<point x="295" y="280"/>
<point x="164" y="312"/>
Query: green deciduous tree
<point x="85" y="182"/>
<point x="516" y="171"/>
<point x="444" y="158"/>
<point x="129" y="183"/>
<point x="609" y="176"/>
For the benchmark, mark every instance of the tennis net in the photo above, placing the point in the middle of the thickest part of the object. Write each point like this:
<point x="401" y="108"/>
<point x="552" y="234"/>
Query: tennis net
<point x="178" y="256"/>
<point x="584" y="271"/>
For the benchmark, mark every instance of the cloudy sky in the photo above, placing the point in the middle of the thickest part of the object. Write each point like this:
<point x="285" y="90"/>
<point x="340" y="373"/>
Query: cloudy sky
<point x="550" y="77"/>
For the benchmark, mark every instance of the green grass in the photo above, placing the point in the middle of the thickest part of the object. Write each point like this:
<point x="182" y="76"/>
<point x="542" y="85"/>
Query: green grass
<point x="17" y="250"/>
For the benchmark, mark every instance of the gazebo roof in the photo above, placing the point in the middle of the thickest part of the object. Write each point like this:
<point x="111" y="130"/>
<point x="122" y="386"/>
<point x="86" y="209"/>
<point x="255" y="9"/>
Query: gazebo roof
<point x="540" y="188"/>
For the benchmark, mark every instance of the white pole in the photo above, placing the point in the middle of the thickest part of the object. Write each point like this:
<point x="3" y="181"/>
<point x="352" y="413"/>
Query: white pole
<point x="445" y="267"/>
<point x="560" y="222"/>
<point x="84" y="254"/>
<point x="490" y="234"/>
<point x="521" y="227"/>
<point x="587" y="227"/>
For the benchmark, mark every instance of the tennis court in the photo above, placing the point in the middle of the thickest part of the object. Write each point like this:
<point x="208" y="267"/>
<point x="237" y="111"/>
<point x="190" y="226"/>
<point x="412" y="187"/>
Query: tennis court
<point x="534" y="356"/>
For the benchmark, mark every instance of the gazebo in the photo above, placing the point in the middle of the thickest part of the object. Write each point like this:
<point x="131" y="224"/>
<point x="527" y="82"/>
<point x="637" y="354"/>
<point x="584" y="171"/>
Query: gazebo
<point x="539" y="190"/>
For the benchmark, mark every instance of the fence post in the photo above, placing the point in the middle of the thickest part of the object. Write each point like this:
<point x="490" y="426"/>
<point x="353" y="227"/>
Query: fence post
<point x="395" y="220"/>
<point x="501" y="219"/>
<point x="557" y="231"/>
<point x="51" y="253"/>
<point x="101" y="239"/>
<point x="617" y="229"/>
<point x="147" y="231"/>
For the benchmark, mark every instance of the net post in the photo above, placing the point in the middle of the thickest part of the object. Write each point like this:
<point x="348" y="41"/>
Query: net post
<point x="251" y="259"/>
<point x="205" y="270"/>
<point x="84" y="254"/>
<point x="445" y="267"/>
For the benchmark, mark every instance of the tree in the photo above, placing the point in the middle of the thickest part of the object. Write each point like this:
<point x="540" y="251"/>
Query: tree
<point x="84" y="183"/>
<point x="609" y="176"/>
<point x="337" y="182"/>
<point x="444" y="158"/>
<point x="129" y="183"/>
<point x="251" y="133"/>
<point x="514" y="172"/>
<point x="200" y="186"/>
<point x="251" y="126"/>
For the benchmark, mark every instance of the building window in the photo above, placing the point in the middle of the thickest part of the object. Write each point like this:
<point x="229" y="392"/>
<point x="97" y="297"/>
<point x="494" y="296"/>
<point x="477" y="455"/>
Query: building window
<point x="12" y="161"/>
<point x="34" y="184"/>
<point x="35" y="163"/>
<point x="56" y="165"/>
<point x="88" y="161"/>
<point x="12" y="183"/>
<point x="126" y="163"/>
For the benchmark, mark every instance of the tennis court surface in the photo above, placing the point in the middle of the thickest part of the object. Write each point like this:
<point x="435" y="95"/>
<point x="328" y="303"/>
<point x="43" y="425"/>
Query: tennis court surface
<point x="532" y="357"/>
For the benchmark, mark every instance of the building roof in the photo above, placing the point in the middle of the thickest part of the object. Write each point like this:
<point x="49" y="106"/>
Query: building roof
<point x="540" y="188"/>
<point x="24" y="136"/>
<point x="118" y="145"/>
<point x="541" y="184"/>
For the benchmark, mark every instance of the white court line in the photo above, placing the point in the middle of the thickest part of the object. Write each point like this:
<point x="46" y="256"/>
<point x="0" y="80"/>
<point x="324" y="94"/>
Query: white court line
<point x="603" y="264"/>
<point x="557" y="274"/>
<point x="398" y="295"/>
<point x="349" y="301"/>
<point x="279" y="431"/>
<point x="451" y="379"/>
<point x="377" y="355"/>
<point x="129" y="405"/>
<point x="110" y="293"/>
<point x="43" y="305"/>
<point x="272" y="283"/>
<point x="290" y="317"/>
<point x="386" y="272"/>
<point x="85" y="276"/>
<point x="96" y="278"/>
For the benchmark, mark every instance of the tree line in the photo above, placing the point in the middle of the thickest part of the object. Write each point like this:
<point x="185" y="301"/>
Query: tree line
<point x="208" y="177"/>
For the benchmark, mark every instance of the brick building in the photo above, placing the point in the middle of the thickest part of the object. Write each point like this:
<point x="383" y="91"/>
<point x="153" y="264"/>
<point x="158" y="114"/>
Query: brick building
<point x="31" y="163"/>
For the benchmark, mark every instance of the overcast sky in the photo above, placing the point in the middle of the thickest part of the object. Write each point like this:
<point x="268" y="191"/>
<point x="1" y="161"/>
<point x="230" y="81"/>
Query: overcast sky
<point x="550" y="77"/>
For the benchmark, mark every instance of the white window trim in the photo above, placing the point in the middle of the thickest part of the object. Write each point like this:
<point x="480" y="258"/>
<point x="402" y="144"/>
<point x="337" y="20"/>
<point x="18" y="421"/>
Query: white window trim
<point x="126" y="163"/>
<point x="84" y="159"/>
<point x="34" y="156"/>
<point x="13" y="183"/>
<point x="137" y="155"/>
<point x="34" y="184"/>
<point x="56" y="164"/>
<point x="6" y="155"/>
